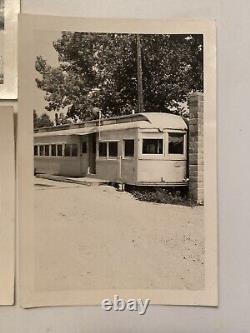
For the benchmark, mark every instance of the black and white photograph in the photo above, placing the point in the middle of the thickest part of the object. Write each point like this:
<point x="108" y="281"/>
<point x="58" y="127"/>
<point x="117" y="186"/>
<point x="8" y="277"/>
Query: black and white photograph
<point x="1" y="14"/>
<point x="1" y="40"/>
<point x="7" y="206"/>
<point x="9" y="10"/>
<point x="115" y="112"/>
<point x="118" y="161"/>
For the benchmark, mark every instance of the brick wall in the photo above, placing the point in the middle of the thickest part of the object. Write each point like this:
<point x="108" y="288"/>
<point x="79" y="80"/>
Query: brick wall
<point x="196" y="158"/>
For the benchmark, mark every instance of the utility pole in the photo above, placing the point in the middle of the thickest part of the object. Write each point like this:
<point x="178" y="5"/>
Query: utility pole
<point x="139" y="76"/>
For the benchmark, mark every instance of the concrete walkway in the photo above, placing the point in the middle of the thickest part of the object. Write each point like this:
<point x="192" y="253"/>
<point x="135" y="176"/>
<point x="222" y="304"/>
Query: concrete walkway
<point x="88" y="181"/>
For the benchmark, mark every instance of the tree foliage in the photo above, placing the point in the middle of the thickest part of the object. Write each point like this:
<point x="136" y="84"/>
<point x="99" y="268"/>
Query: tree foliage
<point x="41" y="121"/>
<point x="100" y="70"/>
<point x="62" y="119"/>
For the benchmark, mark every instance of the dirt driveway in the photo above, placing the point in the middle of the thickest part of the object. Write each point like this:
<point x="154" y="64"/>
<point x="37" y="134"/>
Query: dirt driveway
<point x="101" y="238"/>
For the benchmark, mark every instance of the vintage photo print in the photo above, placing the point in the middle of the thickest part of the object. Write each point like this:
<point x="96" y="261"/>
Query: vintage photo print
<point x="117" y="161"/>
<point x="9" y="10"/>
<point x="1" y="41"/>
<point x="7" y="205"/>
<point x="1" y="14"/>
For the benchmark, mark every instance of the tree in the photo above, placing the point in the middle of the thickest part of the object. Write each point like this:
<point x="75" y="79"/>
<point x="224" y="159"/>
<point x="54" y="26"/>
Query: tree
<point x="62" y="119"/>
<point x="172" y="68"/>
<point x="95" y="70"/>
<point x="42" y="121"/>
<point x="100" y="70"/>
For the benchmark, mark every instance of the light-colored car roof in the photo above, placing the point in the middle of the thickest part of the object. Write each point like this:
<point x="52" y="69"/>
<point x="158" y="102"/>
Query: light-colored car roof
<point x="165" y="120"/>
<point x="147" y="120"/>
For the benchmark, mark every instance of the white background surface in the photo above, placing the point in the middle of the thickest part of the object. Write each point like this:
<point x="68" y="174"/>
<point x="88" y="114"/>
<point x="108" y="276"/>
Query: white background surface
<point x="233" y="46"/>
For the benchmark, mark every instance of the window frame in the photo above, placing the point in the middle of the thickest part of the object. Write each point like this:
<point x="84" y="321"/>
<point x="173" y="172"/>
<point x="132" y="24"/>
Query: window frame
<point x="69" y="146"/>
<point x="51" y="150"/>
<point x="59" y="144"/>
<point x="84" y="144"/>
<point x="173" y="155"/>
<point x="153" y="154"/>
<point x="102" y="156"/>
<point x="47" y="151"/>
<point x="36" y="149"/>
<point x="107" y="156"/>
<point x="71" y="150"/>
<point x="124" y="144"/>
<point x="42" y="148"/>
<point x="108" y="150"/>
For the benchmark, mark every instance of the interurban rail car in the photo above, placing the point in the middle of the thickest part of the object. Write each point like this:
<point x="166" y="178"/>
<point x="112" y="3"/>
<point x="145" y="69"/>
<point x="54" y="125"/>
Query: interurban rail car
<point x="137" y="149"/>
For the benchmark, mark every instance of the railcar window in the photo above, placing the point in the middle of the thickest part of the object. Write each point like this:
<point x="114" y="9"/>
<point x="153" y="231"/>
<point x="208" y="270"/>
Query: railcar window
<point x="113" y="149"/>
<point x="176" y="143"/>
<point x="53" y="150"/>
<point x="46" y="150"/>
<point x="74" y="151"/>
<point x="152" y="146"/>
<point x="35" y="150"/>
<point x="59" y="150"/>
<point x="129" y="148"/>
<point x="41" y="150"/>
<point x="67" y="150"/>
<point x="84" y="147"/>
<point x="103" y="149"/>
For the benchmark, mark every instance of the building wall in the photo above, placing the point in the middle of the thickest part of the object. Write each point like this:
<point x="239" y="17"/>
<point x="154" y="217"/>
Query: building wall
<point x="196" y="157"/>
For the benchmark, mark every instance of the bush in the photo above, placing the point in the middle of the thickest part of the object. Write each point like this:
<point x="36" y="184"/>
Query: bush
<point x="162" y="195"/>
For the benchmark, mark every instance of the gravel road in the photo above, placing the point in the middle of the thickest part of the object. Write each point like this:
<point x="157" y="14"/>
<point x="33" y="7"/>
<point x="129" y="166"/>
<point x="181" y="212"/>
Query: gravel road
<point x="95" y="237"/>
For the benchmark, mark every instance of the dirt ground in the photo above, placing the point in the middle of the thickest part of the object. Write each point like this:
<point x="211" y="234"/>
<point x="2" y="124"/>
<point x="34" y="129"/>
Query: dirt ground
<point x="102" y="238"/>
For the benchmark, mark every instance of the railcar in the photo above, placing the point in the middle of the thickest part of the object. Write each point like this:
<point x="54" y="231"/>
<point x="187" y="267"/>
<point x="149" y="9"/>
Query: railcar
<point x="144" y="149"/>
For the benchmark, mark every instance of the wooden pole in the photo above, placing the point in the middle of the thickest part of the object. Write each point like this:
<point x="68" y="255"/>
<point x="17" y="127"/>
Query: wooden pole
<point x="139" y="76"/>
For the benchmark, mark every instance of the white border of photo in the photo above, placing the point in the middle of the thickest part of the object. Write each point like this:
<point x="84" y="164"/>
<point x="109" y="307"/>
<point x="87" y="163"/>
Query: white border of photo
<point x="29" y="297"/>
